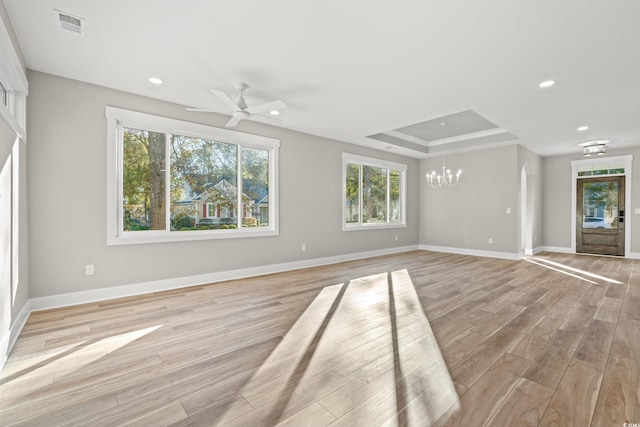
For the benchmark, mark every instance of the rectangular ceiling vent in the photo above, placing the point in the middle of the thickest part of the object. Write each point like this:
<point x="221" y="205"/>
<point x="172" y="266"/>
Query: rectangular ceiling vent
<point x="69" y="22"/>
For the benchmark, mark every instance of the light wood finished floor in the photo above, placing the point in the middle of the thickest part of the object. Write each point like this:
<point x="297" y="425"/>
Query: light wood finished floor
<point x="550" y="340"/>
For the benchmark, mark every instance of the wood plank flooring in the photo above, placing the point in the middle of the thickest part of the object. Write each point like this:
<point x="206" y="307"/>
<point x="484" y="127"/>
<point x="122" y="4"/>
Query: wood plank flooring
<point x="413" y="339"/>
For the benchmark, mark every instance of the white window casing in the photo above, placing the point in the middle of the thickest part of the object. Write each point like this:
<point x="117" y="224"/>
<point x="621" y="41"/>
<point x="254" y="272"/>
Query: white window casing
<point x="118" y="118"/>
<point x="355" y="159"/>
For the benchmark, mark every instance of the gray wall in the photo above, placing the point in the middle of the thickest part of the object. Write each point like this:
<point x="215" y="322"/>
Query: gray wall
<point x="556" y="203"/>
<point x="468" y="215"/>
<point x="67" y="175"/>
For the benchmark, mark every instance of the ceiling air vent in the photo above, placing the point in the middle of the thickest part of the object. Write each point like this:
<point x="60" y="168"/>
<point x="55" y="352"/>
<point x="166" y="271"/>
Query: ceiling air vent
<point x="69" y="22"/>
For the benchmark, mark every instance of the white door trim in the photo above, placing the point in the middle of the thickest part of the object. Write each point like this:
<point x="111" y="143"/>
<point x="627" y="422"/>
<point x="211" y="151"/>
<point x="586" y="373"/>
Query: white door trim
<point x="627" y="161"/>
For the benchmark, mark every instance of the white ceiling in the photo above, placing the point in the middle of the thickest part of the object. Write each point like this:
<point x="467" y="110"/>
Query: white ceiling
<point x="348" y="69"/>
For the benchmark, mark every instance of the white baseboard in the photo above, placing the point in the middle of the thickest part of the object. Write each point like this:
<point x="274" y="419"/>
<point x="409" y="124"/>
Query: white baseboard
<point x="563" y="250"/>
<point x="474" y="252"/>
<point x="9" y="338"/>
<point x="83" y="297"/>
<point x="558" y="249"/>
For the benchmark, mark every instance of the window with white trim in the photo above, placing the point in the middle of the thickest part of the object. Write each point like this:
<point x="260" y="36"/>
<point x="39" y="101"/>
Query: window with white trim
<point x="374" y="193"/>
<point x="171" y="180"/>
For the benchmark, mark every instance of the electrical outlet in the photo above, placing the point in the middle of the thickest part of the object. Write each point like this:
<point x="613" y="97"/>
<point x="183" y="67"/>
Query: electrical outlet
<point x="490" y="241"/>
<point x="396" y="237"/>
<point x="89" y="270"/>
<point x="508" y="211"/>
<point x="303" y="247"/>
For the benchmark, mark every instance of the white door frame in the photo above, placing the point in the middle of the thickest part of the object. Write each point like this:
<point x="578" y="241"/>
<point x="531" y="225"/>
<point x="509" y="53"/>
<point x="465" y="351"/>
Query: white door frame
<point x="626" y="160"/>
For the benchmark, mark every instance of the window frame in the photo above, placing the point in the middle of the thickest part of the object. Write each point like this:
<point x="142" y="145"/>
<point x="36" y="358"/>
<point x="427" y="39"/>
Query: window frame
<point x="118" y="118"/>
<point x="349" y="158"/>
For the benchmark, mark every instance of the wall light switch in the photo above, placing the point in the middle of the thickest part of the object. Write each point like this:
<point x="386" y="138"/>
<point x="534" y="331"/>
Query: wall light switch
<point x="508" y="211"/>
<point x="89" y="270"/>
<point x="636" y="211"/>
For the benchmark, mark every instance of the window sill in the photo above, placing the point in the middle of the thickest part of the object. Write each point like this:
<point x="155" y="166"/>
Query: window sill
<point x="360" y="227"/>
<point x="145" y="237"/>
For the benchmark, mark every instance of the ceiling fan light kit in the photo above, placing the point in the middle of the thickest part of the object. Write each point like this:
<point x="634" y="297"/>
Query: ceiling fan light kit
<point x="594" y="150"/>
<point x="240" y="110"/>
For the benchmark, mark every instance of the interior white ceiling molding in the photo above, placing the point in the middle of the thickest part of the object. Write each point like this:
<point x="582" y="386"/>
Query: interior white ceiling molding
<point x="468" y="137"/>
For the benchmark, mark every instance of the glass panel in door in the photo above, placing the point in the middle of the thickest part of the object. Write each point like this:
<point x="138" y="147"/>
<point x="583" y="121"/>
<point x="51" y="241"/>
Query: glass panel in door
<point x="600" y="204"/>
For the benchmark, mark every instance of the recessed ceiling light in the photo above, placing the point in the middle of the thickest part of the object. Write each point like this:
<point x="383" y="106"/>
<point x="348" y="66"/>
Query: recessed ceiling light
<point x="594" y="142"/>
<point x="582" y="128"/>
<point x="274" y="112"/>
<point x="547" y="83"/>
<point x="155" y="80"/>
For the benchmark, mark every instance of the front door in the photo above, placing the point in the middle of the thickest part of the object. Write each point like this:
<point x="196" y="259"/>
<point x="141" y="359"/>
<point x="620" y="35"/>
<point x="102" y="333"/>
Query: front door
<point x="600" y="216"/>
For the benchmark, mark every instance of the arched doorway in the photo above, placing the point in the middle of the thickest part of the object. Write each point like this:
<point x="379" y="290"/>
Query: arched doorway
<point x="526" y="213"/>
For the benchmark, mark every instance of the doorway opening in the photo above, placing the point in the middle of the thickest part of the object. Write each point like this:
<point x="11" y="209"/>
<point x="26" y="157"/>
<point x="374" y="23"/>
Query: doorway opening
<point x="600" y="202"/>
<point x="526" y="213"/>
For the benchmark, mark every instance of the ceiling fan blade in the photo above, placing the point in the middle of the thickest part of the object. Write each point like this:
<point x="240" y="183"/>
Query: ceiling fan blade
<point x="225" y="98"/>
<point x="275" y="105"/>
<point x="266" y="118"/>
<point x="206" y="110"/>
<point x="234" y="121"/>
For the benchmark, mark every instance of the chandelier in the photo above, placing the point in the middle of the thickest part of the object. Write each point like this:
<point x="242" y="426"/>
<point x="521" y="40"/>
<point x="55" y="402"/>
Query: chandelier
<point x="447" y="178"/>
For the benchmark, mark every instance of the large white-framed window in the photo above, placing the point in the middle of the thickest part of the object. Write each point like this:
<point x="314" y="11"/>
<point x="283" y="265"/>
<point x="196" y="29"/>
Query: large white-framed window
<point x="373" y="193"/>
<point x="172" y="180"/>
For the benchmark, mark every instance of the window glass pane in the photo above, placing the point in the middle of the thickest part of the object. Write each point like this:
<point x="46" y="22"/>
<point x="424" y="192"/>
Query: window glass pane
<point x="186" y="187"/>
<point x="255" y="187"/>
<point x="352" y="197"/>
<point x="584" y="173"/>
<point x="203" y="184"/>
<point x="601" y="172"/>
<point x="143" y="183"/>
<point x="600" y="204"/>
<point x="374" y="194"/>
<point x="394" y="196"/>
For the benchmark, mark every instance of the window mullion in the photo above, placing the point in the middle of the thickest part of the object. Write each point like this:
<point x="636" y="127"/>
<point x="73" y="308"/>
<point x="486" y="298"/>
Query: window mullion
<point x="388" y="218"/>
<point x="239" y="207"/>
<point x="360" y="197"/>
<point x="167" y="181"/>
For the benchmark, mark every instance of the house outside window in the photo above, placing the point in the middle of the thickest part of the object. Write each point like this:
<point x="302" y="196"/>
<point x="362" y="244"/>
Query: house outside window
<point x="173" y="180"/>
<point x="374" y="193"/>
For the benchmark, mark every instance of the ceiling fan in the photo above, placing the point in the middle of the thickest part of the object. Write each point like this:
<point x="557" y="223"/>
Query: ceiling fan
<point x="240" y="110"/>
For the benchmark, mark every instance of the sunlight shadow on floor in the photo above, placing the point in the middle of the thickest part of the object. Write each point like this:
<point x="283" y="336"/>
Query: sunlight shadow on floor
<point x="577" y="270"/>
<point x="363" y="353"/>
<point x="541" y="264"/>
<point x="72" y="357"/>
